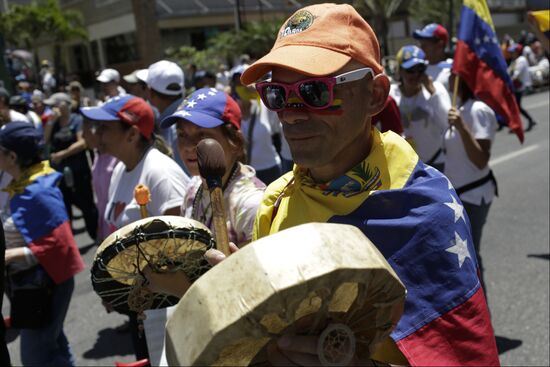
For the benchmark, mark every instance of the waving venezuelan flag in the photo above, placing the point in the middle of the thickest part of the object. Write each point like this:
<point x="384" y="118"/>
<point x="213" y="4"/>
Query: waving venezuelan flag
<point x="478" y="60"/>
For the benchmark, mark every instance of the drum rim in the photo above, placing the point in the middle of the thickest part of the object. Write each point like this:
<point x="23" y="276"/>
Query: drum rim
<point x="136" y="236"/>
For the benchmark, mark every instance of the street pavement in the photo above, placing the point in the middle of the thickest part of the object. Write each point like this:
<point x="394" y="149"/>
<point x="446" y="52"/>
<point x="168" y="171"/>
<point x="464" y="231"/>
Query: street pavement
<point x="515" y="251"/>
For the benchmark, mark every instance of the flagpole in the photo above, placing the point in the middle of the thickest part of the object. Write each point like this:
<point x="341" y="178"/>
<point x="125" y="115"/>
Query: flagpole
<point x="455" y="90"/>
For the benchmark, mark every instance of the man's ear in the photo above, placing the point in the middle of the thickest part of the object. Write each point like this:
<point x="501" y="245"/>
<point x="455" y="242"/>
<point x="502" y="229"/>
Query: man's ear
<point x="379" y="94"/>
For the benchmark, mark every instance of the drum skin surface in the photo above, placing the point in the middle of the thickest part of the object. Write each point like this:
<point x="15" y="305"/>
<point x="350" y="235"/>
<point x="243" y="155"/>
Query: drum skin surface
<point x="164" y="242"/>
<point x="298" y="280"/>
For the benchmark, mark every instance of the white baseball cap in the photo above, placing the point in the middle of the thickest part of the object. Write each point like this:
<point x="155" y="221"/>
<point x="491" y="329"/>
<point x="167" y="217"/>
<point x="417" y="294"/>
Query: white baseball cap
<point x="165" y="77"/>
<point x="108" y="75"/>
<point x="142" y="75"/>
<point x="133" y="77"/>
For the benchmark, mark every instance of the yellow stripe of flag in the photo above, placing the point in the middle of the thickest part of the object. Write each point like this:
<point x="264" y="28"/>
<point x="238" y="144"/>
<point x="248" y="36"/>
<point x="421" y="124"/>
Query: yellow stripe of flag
<point x="543" y="19"/>
<point x="481" y="9"/>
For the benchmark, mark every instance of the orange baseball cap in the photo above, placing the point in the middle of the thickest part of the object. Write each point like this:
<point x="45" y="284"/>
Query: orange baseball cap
<point x="319" y="40"/>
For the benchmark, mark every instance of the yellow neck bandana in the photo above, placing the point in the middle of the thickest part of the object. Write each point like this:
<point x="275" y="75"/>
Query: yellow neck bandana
<point x="28" y="176"/>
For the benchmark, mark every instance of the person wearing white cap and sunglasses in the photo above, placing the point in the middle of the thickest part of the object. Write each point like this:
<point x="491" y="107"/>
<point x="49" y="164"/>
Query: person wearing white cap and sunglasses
<point x="110" y="83"/>
<point x="423" y="104"/>
<point x="166" y="84"/>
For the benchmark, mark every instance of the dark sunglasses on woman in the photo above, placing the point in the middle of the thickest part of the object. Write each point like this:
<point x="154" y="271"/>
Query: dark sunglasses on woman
<point x="418" y="69"/>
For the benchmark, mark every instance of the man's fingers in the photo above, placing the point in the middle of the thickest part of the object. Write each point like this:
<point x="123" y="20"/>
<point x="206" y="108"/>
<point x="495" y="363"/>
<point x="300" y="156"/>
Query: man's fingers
<point x="214" y="257"/>
<point x="233" y="248"/>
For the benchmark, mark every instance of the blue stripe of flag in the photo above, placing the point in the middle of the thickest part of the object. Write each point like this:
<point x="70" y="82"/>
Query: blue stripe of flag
<point x="40" y="208"/>
<point x="483" y="41"/>
<point x="413" y="228"/>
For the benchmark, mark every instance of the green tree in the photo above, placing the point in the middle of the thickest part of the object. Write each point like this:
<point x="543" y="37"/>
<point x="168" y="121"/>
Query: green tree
<point x="41" y="21"/>
<point x="255" y="39"/>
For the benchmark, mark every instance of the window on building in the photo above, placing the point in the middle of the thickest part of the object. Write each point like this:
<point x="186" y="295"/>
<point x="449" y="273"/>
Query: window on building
<point x="120" y="48"/>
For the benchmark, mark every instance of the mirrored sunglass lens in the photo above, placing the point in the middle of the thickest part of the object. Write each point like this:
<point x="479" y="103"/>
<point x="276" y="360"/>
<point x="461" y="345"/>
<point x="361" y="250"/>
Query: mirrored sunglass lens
<point x="315" y="93"/>
<point x="274" y="97"/>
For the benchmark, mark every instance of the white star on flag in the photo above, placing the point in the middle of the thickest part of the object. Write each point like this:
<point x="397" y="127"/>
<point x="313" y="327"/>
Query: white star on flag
<point x="460" y="248"/>
<point x="213" y="90"/>
<point x="457" y="208"/>
<point x="449" y="184"/>
<point x="486" y="39"/>
<point x="184" y="113"/>
<point x="477" y="41"/>
<point x="211" y="93"/>
<point x="201" y="96"/>
<point x="191" y="104"/>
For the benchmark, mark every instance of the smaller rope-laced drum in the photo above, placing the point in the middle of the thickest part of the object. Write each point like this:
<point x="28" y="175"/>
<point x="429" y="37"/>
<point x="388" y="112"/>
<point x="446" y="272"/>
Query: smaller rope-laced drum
<point x="313" y="279"/>
<point x="165" y="243"/>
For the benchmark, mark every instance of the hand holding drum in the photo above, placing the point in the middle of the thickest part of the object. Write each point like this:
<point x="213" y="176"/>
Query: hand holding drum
<point x="338" y="299"/>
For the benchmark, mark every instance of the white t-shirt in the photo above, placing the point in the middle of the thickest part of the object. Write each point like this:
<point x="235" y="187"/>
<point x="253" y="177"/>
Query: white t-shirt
<point x="481" y="121"/>
<point x="520" y="71"/>
<point x="440" y="72"/>
<point x="529" y="55"/>
<point x="424" y="119"/>
<point x="164" y="178"/>
<point x="263" y="154"/>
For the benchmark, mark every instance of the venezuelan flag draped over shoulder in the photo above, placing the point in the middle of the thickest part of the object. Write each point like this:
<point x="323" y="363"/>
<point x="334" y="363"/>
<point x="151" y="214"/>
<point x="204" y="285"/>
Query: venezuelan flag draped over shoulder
<point x="39" y="213"/>
<point x="478" y="60"/>
<point x="412" y="214"/>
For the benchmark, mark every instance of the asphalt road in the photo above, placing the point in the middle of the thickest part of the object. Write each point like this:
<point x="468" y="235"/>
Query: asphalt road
<point x="515" y="251"/>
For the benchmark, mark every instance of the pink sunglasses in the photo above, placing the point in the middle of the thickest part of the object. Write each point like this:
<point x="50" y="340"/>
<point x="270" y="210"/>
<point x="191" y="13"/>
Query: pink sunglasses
<point x="316" y="93"/>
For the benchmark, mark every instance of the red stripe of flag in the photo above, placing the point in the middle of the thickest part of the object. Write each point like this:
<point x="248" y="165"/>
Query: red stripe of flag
<point x="58" y="253"/>
<point x="487" y="86"/>
<point x="473" y="342"/>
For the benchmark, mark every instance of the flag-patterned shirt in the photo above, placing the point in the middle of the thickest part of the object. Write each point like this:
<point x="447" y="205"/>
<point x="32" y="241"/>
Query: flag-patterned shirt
<point x="411" y="212"/>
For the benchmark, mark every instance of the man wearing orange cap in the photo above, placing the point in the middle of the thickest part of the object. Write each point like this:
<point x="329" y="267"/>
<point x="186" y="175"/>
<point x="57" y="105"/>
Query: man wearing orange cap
<point x="326" y="84"/>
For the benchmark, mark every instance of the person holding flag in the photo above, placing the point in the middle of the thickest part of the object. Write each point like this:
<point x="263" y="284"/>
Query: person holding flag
<point x="468" y="141"/>
<point x="479" y="61"/>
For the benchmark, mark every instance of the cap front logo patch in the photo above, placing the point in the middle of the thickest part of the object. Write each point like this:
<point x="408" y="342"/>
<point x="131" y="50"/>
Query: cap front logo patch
<point x="299" y="22"/>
